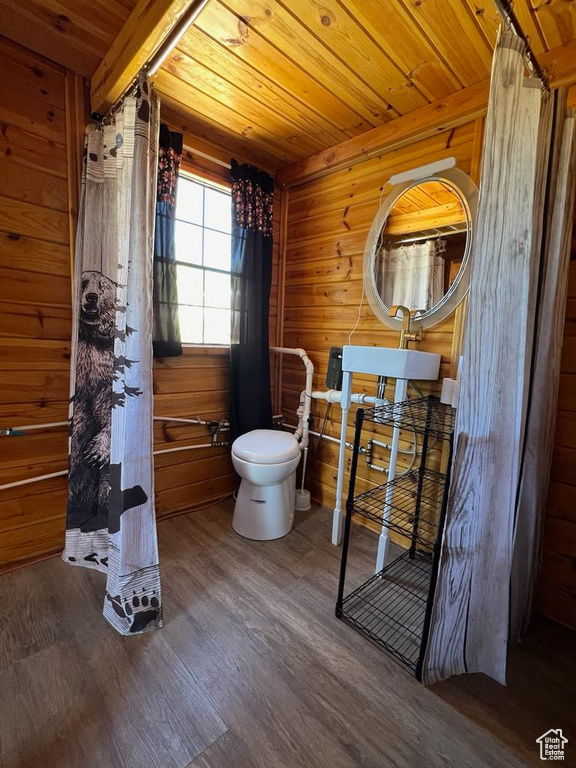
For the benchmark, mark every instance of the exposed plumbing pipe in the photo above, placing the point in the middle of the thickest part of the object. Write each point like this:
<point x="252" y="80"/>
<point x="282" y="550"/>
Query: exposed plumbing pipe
<point x="33" y="480"/>
<point x="8" y="431"/>
<point x="327" y="437"/>
<point x="191" y="448"/>
<point x="223" y="425"/>
<point x="63" y="472"/>
<point x="335" y="396"/>
<point x="303" y="426"/>
<point x="303" y="430"/>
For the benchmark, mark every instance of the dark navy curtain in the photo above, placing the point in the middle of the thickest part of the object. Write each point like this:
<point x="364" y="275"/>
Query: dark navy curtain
<point x="166" y="329"/>
<point x="252" y="207"/>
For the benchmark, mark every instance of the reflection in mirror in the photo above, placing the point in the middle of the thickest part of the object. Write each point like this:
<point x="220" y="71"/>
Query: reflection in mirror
<point x="421" y="247"/>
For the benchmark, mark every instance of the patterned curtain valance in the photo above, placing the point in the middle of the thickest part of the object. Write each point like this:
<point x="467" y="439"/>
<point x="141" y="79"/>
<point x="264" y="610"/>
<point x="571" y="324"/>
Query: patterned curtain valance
<point x="252" y="198"/>
<point x="169" y="155"/>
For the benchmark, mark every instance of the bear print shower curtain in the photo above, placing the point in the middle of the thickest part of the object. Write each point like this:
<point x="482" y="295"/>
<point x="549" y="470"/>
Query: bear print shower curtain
<point x="111" y="523"/>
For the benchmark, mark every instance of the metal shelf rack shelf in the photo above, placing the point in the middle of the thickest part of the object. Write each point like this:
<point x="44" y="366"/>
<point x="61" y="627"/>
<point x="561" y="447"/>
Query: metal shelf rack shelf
<point x="393" y="607"/>
<point x="424" y="415"/>
<point x="415" y="505"/>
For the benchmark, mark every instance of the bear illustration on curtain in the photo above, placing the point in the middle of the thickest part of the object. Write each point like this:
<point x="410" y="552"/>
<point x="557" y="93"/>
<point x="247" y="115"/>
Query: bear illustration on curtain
<point x="92" y="478"/>
<point x="111" y="519"/>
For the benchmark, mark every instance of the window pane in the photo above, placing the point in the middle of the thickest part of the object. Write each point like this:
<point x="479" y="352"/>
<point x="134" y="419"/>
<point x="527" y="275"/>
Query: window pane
<point x="188" y="243"/>
<point x="216" y="290"/>
<point x="190" y="324"/>
<point x="216" y="326"/>
<point x="216" y="250"/>
<point x="218" y="211"/>
<point x="189" y="200"/>
<point x="190" y="285"/>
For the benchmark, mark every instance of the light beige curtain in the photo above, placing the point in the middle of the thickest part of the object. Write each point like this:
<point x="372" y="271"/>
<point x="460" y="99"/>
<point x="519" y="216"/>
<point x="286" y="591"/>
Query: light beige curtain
<point x="543" y="398"/>
<point x="412" y="275"/>
<point x="510" y="301"/>
<point x="111" y="523"/>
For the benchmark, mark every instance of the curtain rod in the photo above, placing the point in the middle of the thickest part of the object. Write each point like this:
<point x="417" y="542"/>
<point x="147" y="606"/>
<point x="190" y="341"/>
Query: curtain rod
<point x="506" y="11"/>
<point x="178" y="31"/>
<point x="215" y="160"/>
<point x="435" y="236"/>
<point x="152" y="65"/>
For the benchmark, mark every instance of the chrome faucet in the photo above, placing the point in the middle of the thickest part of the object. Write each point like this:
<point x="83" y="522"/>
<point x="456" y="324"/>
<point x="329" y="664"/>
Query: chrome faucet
<point x="406" y="335"/>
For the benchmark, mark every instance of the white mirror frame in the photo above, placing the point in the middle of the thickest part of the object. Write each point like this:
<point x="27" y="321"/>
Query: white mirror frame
<point x="465" y="188"/>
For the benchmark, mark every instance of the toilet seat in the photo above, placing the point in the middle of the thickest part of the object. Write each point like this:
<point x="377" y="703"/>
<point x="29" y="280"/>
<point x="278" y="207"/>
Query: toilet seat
<point x="266" y="446"/>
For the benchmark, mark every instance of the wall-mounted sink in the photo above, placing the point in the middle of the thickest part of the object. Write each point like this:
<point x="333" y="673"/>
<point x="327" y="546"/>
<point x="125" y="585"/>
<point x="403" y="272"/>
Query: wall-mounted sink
<point x="395" y="363"/>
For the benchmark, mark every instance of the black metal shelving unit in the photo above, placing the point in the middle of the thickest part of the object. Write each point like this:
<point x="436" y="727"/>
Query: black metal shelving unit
<point x="393" y="607"/>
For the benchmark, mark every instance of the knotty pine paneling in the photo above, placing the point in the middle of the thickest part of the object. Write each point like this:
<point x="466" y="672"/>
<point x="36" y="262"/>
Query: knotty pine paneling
<point x="327" y="224"/>
<point x="290" y="79"/>
<point x="74" y="33"/>
<point x="35" y="329"/>
<point x="35" y="299"/>
<point x="556" y="593"/>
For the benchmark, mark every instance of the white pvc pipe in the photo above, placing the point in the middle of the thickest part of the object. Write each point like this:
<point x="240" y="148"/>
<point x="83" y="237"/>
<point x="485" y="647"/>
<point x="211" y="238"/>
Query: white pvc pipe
<point x="33" y="480"/>
<point x="63" y="472"/>
<point x="303" y="428"/>
<point x="324" y="436"/>
<point x="346" y="398"/>
<point x="335" y="396"/>
<point x="303" y="431"/>
<point x="224" y="428"/>
<point x="49" y="425"/>
<point x="28" y="427"/>
<point x="190" y="448"/>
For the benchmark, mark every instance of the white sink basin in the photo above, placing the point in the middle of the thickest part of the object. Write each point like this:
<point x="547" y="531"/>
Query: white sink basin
<point x="396" y="363"/>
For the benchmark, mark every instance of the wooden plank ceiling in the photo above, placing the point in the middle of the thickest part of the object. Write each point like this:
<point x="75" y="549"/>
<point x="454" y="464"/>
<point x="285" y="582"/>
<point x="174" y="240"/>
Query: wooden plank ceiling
<point x="284" y="79"/>
<point x="74" y="33"/>
<point x="289" y="79"/>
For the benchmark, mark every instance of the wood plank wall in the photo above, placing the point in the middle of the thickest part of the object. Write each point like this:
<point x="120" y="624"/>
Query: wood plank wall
<point x="35" y="328"/>
<point x="327" y="223"/>
<point x="556" y="594"/>
<point x="35" y="296"/>
<point x="198" y="384"/>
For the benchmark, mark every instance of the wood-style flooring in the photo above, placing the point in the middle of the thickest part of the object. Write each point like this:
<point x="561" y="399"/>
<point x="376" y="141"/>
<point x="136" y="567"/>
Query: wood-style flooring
<point x="251" y="670"/>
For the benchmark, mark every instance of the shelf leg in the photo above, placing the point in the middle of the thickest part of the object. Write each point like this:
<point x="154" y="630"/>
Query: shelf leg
<point x="349" y="510"/>
<point x="435" y="564"/>
<point x="345" y="404"/>
<point x="382" y="554"/>
<point x="400" y="390"/>
<point x="421" y="474"/>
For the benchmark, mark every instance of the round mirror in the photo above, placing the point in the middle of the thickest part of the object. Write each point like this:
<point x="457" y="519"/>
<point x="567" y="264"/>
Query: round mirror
<point x="418" y="249"/>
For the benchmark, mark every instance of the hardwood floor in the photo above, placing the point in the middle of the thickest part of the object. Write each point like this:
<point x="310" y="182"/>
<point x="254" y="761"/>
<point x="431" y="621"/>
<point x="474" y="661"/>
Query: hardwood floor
<point x="251" y="670"/>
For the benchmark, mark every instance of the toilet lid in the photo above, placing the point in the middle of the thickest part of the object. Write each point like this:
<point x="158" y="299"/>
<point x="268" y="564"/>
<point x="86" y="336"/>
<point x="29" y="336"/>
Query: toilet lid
<point x="266" y="446"/>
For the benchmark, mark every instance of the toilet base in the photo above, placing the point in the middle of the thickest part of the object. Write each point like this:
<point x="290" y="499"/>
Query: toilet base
<point x="265" y="512"/>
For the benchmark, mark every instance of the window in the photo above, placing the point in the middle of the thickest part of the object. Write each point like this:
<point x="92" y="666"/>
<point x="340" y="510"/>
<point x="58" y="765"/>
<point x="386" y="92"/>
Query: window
<point x="203" y="256"/>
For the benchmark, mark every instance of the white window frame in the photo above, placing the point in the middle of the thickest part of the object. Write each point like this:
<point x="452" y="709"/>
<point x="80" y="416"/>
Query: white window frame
<point x="202" y="346"/>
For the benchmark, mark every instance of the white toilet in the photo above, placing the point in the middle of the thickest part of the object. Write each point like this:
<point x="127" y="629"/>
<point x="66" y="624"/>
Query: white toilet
<point x="266" y="460"/>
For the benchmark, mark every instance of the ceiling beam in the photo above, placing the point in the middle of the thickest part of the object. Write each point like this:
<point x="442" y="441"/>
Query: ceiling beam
<point x="454" y="110"/>
<point x="151" y="25"/>
<point x="559" y="64"/>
